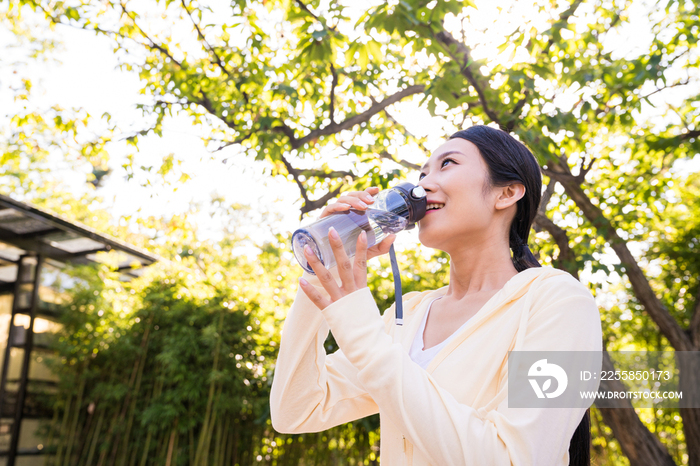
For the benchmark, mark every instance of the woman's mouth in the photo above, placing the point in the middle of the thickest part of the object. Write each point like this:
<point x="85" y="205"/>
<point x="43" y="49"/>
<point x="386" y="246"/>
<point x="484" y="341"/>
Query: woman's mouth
<point x="433" y="207"/>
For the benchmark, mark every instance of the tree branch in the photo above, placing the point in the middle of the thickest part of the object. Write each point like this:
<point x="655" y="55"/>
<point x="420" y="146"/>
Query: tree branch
<point x="201" y="36"/>
<point x="420" y="144"/>
<point x="451" y="43"/>
<point x="306" y="9"/>
<point x="583" y="171"/>
<point x="292" y="171"/>
<point x="333" y="128"/>
<point x="640" y="284"/>
<point x="311" y="205"/>
<point x="515" y="114"/>
<point x="680" y="83"/>
<point x="563" y="19"/>
<point x="334" y="83"/>
<point x="402" y="162"/>
<point x="153" y="45"/>
<point x="239" y="140"/>
<point x="637" y="442"/>
<point x="566" y="259"/>
<point x="544" y="202"/>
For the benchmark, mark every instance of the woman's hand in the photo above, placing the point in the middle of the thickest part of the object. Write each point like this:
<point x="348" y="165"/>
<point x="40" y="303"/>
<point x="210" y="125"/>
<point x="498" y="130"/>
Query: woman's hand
<point x="353" y="274"/>
<point x="359" y="200"/>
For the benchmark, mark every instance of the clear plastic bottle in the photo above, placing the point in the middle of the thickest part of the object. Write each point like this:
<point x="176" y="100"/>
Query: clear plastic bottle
<point x="393" y="210"/>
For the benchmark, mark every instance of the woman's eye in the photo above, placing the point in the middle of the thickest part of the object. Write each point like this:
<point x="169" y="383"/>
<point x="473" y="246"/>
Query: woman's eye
<point x="445" y="161"/>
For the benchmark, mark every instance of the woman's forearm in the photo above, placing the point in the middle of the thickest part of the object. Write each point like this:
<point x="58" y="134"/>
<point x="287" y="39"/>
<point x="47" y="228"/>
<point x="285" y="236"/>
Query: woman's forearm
<point x="311" y="391"/>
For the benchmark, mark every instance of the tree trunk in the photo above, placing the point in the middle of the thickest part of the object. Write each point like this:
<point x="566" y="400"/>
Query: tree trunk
<point x="640" y="446"/>
<point x="689" y="381"/>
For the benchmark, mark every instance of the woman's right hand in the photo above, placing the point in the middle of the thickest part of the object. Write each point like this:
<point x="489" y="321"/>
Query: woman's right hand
<point x="359" y="200"/>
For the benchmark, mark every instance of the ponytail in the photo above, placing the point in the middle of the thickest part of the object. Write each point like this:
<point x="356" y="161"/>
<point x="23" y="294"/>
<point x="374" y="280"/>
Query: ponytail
<point x="522" y="256"/>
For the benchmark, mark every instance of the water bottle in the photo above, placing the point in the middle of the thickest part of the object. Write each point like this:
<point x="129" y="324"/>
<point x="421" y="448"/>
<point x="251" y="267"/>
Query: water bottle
<point x="393" y="210"/>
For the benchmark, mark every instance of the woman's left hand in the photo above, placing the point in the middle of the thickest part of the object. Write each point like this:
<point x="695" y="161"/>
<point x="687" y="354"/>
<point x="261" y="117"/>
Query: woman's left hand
<point x="353" y="274"/>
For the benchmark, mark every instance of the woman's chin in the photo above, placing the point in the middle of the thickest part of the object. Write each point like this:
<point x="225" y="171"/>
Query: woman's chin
<point x="427" y="240"/>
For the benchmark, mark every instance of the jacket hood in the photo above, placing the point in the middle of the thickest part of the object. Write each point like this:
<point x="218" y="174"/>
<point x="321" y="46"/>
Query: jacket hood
<point x="514" y="289"/>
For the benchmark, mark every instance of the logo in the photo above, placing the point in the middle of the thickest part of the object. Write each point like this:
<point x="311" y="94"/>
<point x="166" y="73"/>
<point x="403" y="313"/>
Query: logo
<point x="542" y="369"/>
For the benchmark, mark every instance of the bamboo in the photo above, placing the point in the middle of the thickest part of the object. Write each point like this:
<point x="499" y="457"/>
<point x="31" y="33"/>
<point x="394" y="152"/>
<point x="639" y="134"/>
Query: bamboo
<point x="171" y="444"/>
<point x="160" y="458"/>
<point x="176" y="450"/>
<point x="127" y="399"/>
<point x="74" y="424"/>
<point x="49" y="441"/>
<point x="217" y="443"/>
<point x="64" y="426"/>
<point x="221" y="458"/>
<point x="236" y="437"/>
<point x="144" y="457"/>
<point x="134" y="455"/>
<point x="228" y="454"/>
<point x="203" y="442"/>
<point x="149" y="434"/>
<point x="317" y="456"/>
<point x="192" y="448"/>
<point x="95" y="438"/>
<point x="214" y="418"/>
<point x="85" y="437"/>
<point x="107" y="440"/>
<point x="134" y="399"/>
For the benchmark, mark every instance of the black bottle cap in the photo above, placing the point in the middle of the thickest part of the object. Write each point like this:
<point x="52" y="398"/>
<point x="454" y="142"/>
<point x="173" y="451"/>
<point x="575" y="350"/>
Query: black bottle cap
<point x="417" y="200"/>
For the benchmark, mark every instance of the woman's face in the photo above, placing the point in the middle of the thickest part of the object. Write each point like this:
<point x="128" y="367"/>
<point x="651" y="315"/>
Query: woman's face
<point x="455" y="177"/>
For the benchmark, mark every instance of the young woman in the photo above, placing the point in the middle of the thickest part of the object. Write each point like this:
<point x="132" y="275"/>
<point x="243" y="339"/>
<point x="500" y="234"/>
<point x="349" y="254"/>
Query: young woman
<point x="439" y="382"/>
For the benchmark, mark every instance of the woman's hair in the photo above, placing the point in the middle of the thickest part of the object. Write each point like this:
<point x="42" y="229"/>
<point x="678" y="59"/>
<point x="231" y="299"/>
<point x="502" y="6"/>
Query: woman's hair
<point x="508" y="161"/>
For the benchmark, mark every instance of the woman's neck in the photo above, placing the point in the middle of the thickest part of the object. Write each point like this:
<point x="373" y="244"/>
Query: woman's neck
<point x="479" y="269"/>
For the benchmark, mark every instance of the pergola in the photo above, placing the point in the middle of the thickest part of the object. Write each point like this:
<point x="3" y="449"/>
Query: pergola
<point x="31" y="240"/>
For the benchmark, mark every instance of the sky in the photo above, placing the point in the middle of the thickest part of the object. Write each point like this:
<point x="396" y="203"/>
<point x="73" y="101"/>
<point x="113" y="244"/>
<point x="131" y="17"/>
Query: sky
<point x="85" y="74"/>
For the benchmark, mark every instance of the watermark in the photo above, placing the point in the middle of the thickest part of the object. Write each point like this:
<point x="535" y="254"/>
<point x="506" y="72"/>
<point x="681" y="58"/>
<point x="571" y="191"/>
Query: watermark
<point x="616" y="379"/>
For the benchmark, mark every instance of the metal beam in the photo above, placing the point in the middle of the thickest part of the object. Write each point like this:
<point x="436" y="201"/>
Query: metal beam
<point x="41" y="248"/>
<point x="10" y="333"/>
<point x="6" y="288"/>
<point x="24" y="374"/>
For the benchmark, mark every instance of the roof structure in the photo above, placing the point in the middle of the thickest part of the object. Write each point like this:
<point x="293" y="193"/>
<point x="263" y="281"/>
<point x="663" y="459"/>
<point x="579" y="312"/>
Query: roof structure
<point x="25" y="228"/>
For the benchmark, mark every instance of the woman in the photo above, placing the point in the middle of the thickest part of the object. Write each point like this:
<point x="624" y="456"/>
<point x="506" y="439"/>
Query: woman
<point x="439" y="381"/>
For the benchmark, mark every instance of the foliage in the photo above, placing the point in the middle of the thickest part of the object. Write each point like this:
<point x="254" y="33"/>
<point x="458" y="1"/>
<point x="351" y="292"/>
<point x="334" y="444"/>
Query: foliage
<point x="175" y="367"/>
<point x="171" y="357"/>
<point x="36" y="137"/>
<point x="316" y="91"/>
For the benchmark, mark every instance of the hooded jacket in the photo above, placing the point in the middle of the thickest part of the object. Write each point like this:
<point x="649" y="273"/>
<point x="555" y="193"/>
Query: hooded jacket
<point x="455" y="412"/>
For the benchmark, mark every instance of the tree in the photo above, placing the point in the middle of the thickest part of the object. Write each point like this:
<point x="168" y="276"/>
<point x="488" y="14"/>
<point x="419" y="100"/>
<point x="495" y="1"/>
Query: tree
<point x="314" y="89"/>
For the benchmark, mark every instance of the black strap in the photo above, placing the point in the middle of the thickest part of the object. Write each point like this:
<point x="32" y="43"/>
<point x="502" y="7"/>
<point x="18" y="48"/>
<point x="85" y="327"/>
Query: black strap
<point x="397" y="286"/>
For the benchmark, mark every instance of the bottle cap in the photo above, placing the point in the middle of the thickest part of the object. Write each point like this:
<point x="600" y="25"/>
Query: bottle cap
<point x="417" y="201"/>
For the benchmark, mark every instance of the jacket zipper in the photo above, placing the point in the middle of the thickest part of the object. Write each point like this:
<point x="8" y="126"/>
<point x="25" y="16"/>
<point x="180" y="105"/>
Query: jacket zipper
<point x="407" y="451"/>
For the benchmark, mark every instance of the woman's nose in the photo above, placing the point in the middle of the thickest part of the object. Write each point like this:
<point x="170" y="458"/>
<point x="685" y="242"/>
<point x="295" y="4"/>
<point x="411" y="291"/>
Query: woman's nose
<point x="427" y="184"/>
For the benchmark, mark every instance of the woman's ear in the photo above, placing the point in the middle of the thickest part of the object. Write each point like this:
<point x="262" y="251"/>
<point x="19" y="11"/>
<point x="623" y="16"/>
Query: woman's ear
<point x="509" y="195"/>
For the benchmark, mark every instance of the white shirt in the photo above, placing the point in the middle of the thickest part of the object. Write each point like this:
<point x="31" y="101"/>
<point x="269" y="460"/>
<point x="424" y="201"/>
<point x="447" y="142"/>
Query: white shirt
<point x="423" y="357"/>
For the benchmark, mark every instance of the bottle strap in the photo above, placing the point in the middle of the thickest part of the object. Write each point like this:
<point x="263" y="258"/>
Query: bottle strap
<point x="397" y="286"/>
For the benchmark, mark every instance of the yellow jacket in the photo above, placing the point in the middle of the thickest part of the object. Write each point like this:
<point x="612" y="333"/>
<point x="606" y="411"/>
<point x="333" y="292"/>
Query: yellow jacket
<point x="455" y="412"/>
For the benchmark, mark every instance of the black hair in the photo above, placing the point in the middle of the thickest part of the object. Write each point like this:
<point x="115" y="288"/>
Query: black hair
<point x="509" y="161"/>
